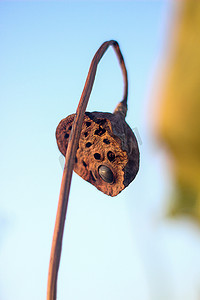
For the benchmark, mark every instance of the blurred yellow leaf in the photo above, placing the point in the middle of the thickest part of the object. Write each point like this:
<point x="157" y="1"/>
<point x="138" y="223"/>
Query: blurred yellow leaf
<point x="179" y="115"/>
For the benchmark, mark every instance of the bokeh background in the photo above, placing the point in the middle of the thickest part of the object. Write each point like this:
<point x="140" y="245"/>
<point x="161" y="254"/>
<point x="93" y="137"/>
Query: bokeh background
<point x="145" y="243"/>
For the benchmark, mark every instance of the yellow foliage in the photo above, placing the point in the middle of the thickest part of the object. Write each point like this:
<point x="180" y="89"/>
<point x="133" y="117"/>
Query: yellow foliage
<point x="179" y="116"/>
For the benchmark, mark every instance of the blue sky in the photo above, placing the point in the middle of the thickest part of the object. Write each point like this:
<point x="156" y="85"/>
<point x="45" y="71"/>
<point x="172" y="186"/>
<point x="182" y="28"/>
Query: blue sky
<point x="46" y="50"/>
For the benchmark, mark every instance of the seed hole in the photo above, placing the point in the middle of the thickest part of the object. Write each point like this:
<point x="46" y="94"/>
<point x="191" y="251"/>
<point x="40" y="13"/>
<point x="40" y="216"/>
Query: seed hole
<point x="76" y="159"/>
<point x="106" y="141"/>
<point x="92" y="176"/>
<point x="70" y="127"/>
<point x="100" y="131"/>
<point x="85" y="165"/>
<point x="88" y="124"/>
<point x="97" y="156"/>
<point x="85" y="134"/>
<point x="66" y="135"/>
<point x="88" y="144"/>
<point x="111" y="156"/>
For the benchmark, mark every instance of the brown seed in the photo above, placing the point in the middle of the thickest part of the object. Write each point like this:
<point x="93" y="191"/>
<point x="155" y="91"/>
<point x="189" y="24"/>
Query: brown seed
<point x="106" y="174"/>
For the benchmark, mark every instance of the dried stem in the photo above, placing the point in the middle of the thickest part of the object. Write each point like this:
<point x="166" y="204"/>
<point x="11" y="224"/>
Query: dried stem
<point x="70" y="159"/>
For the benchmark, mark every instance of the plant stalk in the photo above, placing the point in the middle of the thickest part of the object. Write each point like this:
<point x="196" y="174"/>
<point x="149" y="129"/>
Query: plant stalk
<point x="70" y="160"/>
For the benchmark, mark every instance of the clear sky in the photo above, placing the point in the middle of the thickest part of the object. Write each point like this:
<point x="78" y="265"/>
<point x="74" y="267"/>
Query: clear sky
<point x="111" y="247"/>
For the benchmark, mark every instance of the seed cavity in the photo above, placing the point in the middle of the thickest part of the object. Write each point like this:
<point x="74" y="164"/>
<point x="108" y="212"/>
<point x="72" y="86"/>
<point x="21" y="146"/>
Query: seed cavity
<point x="100" y="131"/>
<point x="97" y="156"/>
<point x="88" y="124"/>
<point x="92" y="176"/>
<point x="106" y="141"/>
<point x="111" y="156"/>
<point x="76" y="159"/>
<point x="66" y="135"/>
<point x="84" y="163"/>
<point x="88" y="145"/>
<point x="70" y="128"/>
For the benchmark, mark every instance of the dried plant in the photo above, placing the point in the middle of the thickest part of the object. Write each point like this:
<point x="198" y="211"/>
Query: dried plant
<point x="100" y="147"/>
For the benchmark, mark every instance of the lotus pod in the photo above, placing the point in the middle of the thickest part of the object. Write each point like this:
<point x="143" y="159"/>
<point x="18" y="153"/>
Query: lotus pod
<point x="107" y="155"/>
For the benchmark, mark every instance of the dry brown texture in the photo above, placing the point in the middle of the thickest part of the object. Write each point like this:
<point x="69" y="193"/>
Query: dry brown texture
<point x="105" y="140"/>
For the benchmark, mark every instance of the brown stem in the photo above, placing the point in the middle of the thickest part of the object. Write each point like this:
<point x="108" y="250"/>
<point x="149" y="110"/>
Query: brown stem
<point x="69" y="163"/>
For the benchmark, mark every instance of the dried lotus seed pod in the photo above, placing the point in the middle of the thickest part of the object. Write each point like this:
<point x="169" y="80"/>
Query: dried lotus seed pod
<point x="108" y="154"/>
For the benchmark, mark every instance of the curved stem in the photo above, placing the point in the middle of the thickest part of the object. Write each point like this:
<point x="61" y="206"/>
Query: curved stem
<point x="69" y="163"/>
